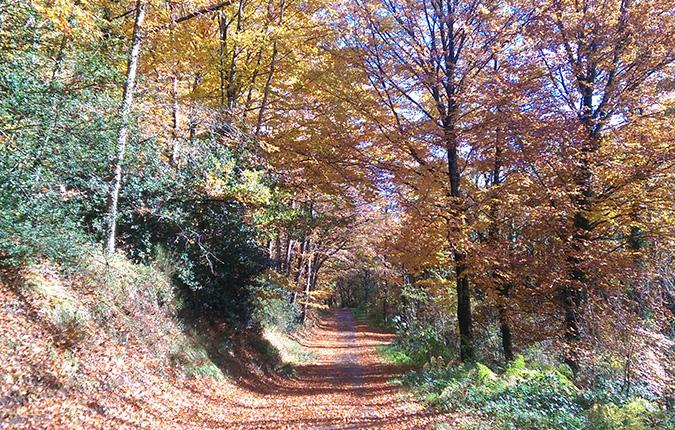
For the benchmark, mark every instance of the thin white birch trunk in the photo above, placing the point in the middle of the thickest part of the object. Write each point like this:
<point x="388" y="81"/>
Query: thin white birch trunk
<point x="123" y="134"/>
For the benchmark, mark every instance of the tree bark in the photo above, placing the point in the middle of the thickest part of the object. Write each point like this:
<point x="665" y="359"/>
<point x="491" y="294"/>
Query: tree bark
<point x="193" y="119"/>
<point x="385" y="309"/>
<point x="298" y="269"/>
<point x="308" y="285"/>
<point x="316" y="266"/>
<point x="504" y="289"/>
<point x="464" y="317"/>
<point x="202" y="11"/>
<point x="574" y="293"/>
<point x="175" y="112"/>
<point x="123" y="133"/>
<point x="223" y="25"/>
<point x="270" y="75"/>
<point x="289" y="254"/>
<point x="277" y="251"/>
<point x="505" y="331"/>
<point x="232" y="78"/>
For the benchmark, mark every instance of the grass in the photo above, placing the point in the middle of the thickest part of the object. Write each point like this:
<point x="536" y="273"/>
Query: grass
<point x="393" y="354"/>
<point x="194" y="360"/>
<point x="289" y="349"/>
<point x="60" y="304"/>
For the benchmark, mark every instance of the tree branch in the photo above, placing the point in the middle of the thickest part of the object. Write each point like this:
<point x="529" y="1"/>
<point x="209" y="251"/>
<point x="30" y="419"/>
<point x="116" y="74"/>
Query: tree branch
<point x="203" y="11"/>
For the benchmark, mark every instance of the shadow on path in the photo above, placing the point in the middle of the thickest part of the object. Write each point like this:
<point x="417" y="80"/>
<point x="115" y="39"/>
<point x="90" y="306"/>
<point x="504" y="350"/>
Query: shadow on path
<point x="346" y="387"/>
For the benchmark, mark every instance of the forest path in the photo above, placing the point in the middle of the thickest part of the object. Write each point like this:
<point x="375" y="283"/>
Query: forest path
<point x="346" y="387"/>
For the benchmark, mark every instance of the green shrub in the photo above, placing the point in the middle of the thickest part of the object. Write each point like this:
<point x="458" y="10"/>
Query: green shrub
<point x="194" y="360"/>
<point x="420" y="344"/>
<point x="532" y="396"/>
<point x="521" y="398"/>
<point x="58" y="126"/>
<point x="635" y="414"/>
<point x="393" y="354"/>
<point x="287" y="370"/>
<point x="57" y="140"/>
<point x="205" y="369"/>
<point x="272" y="307"/>
<point x="270" y="353"/>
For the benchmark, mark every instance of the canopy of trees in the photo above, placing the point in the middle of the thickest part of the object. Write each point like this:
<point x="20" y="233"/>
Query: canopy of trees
<point x="481" y="164"/>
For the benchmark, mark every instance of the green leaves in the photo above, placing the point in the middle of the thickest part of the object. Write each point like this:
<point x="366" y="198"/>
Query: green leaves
<point x="56" y="122"/>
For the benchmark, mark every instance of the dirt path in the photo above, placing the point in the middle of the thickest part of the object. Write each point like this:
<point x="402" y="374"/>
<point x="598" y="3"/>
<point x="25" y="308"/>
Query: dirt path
<point x="346" y="387"/>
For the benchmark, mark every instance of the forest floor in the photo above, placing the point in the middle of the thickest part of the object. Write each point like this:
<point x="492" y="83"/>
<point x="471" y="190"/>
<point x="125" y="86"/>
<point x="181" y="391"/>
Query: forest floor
<point x="348" y="386"/>
<point x="102" y="383"/>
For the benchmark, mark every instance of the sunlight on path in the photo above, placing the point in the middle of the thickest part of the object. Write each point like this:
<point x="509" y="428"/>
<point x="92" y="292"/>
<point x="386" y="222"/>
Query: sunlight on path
<point x="350" y="358"/>
<point x="346" y="387"/>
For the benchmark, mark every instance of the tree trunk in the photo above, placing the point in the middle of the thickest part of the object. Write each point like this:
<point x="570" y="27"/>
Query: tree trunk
<point x="175" y="112"/>
<point x="308" y="285"/>
<point x="572" y="298"/>
<point x="223" y="26"/>
<point x="270" y="75"/>
<point x="289" y="254"/>
<point x="504" y="324"/>
<point x="574" y="293"/>
<point x="193" y="119"/>
<point x="251" y="86"/>
<point x="505" y="331"/>
<point x="232" y="78"/>
<point x="270" y="249"/>
<point x="385" y="316"/>
<point x="298" y="270"/>
<point x="277" y="251"/>
<point x="316" y="266"/>
<point x="464" y="318"/>
<point x="504" y="289"/>
<point x="123" y="133"/>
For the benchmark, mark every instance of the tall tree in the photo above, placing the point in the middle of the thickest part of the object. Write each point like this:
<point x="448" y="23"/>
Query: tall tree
<point x="601" y="59"/>
<point x="426" y="60"/>
<point x="125" y="113"/>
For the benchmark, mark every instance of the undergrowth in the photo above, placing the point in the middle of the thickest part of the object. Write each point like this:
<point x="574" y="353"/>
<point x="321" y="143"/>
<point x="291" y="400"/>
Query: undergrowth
<point x="373" y="318"/>
<point x="527" y="396"/>
<point x="127" y="302"/>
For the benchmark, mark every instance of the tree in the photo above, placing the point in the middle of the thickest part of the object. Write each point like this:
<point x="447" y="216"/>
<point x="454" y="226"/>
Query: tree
<point x="601" y="60"/>
<point x="125" y="113"/>
<point x="426" y="60"/>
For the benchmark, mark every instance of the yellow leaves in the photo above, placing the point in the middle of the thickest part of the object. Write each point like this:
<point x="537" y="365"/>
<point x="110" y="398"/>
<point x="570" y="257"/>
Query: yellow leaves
<point x="252" y="190"/>
<point x="217" y="181"/>
<point x="482" y="10"/>
<point x="71" y="17"/>
<point x="249" y="189"/>
<point x="271" y="276"/>
<point x="440" y="289"/>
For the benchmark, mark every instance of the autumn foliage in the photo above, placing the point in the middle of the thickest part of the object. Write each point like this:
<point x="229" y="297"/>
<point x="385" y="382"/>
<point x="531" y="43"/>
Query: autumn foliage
<point x="487" y="176"/>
